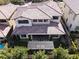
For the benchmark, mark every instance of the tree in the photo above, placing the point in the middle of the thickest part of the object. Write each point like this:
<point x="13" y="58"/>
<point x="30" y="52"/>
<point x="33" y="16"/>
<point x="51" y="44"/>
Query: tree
<point x="17" y="1"/>
<point x="74" y="56"/>
<point x="14" y="53"/>
<point x="4" y="2"/>
<point x="40" y="55"/>
<point x="60" y="53"/>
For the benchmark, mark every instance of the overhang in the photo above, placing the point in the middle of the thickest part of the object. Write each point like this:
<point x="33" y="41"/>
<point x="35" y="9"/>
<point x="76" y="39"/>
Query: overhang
<point x="35" y="45"/>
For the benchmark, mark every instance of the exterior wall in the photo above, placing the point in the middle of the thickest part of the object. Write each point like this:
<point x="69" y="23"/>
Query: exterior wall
<point x="75" y="23"/>
<point x="18" y="25"/>
<point x="15" y="23"/>
<point x="66" y="11"/>
<point x="71" y="18"/>
<point x="40" y="37"/>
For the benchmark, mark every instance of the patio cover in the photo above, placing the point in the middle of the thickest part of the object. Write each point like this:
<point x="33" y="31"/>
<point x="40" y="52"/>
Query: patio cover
<point x="48" y="45"/>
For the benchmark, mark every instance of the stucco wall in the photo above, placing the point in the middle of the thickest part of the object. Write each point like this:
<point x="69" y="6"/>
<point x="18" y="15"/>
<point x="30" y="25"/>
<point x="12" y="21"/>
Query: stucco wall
<point x="75" y="23"/>
<point x="66" y="12"/>
<point x="72" y="18"/>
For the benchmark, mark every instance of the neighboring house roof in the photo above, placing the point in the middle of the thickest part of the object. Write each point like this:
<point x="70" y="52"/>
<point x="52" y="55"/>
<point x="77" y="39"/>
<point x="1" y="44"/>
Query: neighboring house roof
<point x="2" y="16"/>
<point x="7" y="10"/>
<point x="36" y="29"/>
<point x="4" y="29"/>
<point x="39" y="11"/>
<point x="41" y="45"/>
<point x="54" y="6"/>
<point x="73" y="4"/>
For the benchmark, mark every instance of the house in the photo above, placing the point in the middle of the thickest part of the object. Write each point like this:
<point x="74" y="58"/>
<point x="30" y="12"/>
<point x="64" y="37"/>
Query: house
<point x="71" y="14"/>
<point x="38" y="22"/>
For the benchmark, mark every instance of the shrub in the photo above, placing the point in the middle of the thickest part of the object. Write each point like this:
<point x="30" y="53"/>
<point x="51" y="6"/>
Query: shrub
<point x="17" y="1"/>
<point x="40" y="55"/>
<point x="4" y="2"/>
<point x="14" y="53"/>
<point x="60" y="53"/>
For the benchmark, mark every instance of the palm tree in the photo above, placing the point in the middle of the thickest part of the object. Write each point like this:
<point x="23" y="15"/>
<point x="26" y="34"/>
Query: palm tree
<point x="6" y="37"/>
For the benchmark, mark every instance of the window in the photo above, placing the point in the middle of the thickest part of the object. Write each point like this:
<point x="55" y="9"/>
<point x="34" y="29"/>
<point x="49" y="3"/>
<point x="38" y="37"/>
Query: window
<point x="45" y="20"/>
<point x="70" y="25"/>
<point x="55" y="36"/>
<point x="2" y="20"/>
<point x="34" y="20"/>
<point x="24" y="36"/>
<point x="23" y="21"/>
<point x="55" y="17"/>
<point x="40" y="20"/>
<point x="66" y="19"/>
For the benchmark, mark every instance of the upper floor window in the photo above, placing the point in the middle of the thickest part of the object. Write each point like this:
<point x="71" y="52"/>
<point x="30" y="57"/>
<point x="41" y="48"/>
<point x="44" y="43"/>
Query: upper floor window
<point x="35" y="20"/>
<point x="2" y="20"/>
<point x="45" y="20"/>
<point x="23" y="21"/>
<point x="40" y="20"/>
<point x="70" y="25"/>
<point x="55" y="17"/>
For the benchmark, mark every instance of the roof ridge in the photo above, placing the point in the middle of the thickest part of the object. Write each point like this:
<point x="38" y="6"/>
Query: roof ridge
<point x="59" y="29"/>
<point x="52" y="8"/>
<point x="3" y="14"/>
<point x="43" y="12"/>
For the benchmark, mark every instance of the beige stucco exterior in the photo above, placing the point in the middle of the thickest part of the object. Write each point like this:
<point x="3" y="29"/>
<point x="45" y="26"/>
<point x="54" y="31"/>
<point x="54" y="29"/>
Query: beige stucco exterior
<point x="70" y="17"/>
